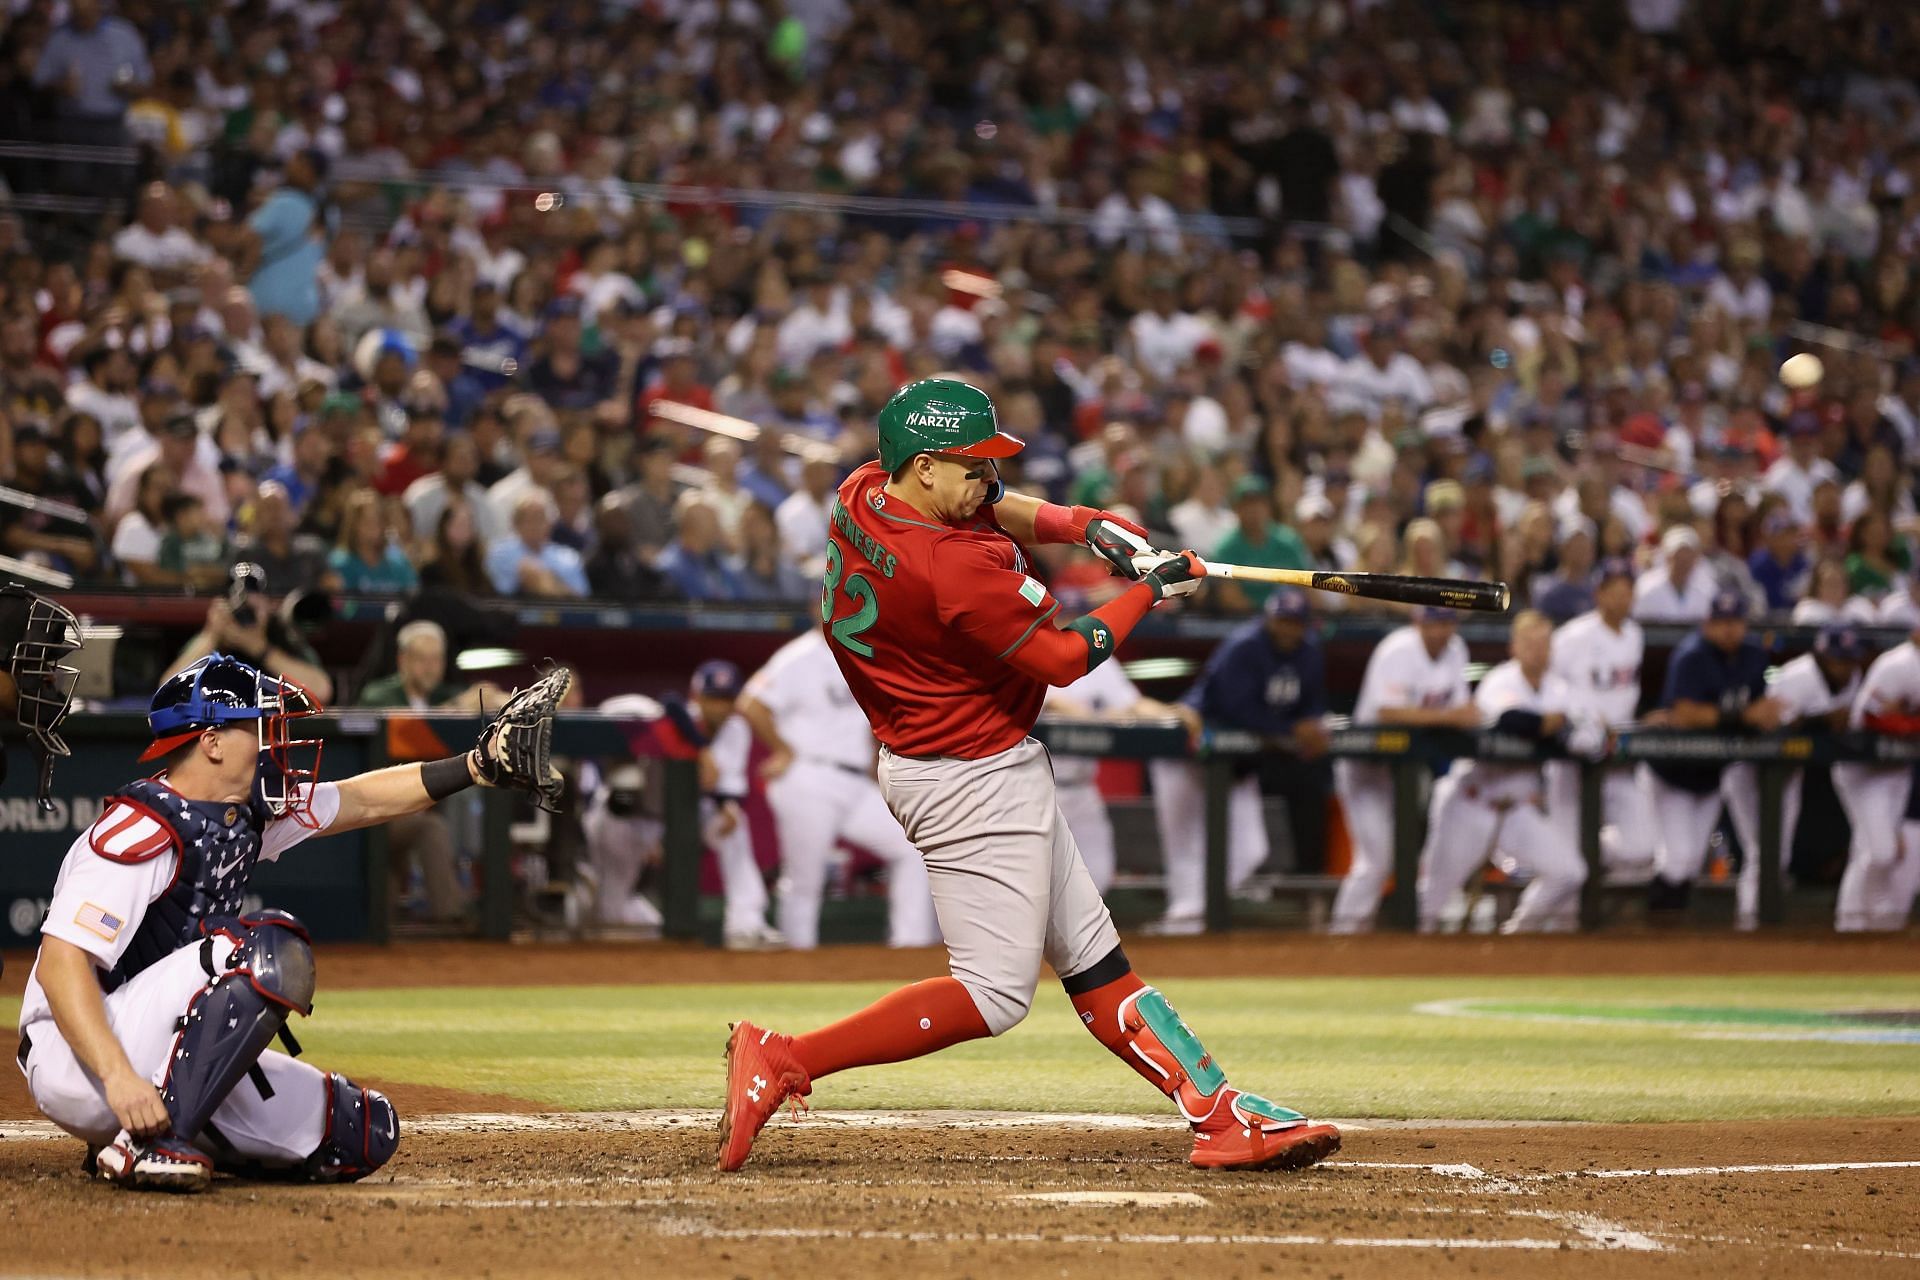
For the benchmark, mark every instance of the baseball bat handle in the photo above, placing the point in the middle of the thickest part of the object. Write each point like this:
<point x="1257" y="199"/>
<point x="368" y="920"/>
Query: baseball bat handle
<point x="1448" y="593"/>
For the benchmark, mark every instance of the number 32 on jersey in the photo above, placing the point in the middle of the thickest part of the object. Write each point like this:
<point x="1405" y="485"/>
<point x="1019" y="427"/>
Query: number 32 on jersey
<point x="858" y="592"/>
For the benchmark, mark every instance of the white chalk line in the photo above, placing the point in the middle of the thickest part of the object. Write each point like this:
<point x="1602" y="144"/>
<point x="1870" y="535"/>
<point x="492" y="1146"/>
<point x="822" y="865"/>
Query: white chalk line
<point x="1591" y="1230"/>
<point x="1829" y="1166"/>
<point x="1181" y="1239"/>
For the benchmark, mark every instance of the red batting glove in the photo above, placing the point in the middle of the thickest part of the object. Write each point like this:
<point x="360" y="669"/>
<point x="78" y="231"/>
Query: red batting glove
<point x="1078" y="518"/>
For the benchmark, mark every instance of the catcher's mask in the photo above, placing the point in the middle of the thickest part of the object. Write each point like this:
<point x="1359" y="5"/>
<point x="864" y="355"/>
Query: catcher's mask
<point x="36" y="634"/>
<point x="218" y="691"/>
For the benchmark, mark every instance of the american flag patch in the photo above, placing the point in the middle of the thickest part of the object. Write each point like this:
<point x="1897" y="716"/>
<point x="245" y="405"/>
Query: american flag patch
<point x="98" y="920"/>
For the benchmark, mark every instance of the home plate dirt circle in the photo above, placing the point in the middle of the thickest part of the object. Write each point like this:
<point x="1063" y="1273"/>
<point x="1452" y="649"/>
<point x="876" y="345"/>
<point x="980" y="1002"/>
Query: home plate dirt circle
<point x="615" y="1193"/>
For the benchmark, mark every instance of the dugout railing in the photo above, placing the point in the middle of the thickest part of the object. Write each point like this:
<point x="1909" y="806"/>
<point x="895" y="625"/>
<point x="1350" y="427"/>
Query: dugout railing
<point x="349" y="892"/>
<point x="1412" y="755"/>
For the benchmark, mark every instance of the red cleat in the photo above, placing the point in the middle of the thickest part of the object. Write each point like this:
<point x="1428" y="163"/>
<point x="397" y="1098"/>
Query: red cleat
<point x="762" y="1073"/>
<point x="1245" y="1131"/>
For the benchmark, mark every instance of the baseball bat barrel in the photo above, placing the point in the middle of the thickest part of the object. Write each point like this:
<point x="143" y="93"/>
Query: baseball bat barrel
<point x="1448" y="593"/>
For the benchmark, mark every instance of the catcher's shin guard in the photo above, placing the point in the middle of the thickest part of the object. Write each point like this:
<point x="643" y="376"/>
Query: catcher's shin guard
<point x="363" y="1131"/>
<point x="230" y="1022"/>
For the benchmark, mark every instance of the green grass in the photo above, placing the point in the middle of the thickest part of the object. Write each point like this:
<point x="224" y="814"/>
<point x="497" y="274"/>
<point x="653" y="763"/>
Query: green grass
<point x="1331" y="1046"/>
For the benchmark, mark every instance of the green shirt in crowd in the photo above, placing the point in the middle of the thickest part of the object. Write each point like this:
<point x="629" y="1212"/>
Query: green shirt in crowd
<point x="1281" y="549"/>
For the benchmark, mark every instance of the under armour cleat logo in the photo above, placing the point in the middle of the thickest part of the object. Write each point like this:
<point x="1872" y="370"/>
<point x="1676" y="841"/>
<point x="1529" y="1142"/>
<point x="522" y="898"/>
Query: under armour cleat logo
<point x="759" y="1083"/>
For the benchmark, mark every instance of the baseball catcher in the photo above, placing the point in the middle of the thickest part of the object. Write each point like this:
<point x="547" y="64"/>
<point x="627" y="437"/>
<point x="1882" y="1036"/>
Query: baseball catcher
<point x="949" y="644"/>
<point x="147" y="1018"/>
<point x="36" y="688"/>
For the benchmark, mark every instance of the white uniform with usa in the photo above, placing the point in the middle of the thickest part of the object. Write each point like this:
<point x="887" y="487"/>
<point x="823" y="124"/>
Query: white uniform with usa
<point x="1601" y="667"/>
<point x="1883" y="861"/>
<point x="828" y="794"/>
<point x="1482" y="805"/>
<point x="1401" y="673"/>
<point x="109" y="878"/>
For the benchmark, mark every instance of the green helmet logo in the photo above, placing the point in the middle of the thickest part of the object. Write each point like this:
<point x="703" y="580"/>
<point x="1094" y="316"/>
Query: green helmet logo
<point x="941" y="415"/>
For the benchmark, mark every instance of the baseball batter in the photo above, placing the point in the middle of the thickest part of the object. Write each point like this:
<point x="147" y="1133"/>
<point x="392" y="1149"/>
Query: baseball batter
<point x="949" y="644"/>
<point x="1482" y="805"/>
<point x="1815" y="690"/>
<point x="708" y="719"/>
<point x="1104" y="693"/>
<point x="820" y="787"/>
<point x="1416" y="676"/>
<point x="146" y="1019"/>
<point x="1599" y="655"/>
<point x="1883" y="862"/>
<point x="1716" y="679"/>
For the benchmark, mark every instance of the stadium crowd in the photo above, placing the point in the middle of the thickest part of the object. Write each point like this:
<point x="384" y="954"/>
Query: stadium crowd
<point x="1490" y="291"/>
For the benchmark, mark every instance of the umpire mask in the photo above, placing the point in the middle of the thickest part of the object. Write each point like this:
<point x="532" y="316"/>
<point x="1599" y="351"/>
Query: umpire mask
<point x="36" y="635"/>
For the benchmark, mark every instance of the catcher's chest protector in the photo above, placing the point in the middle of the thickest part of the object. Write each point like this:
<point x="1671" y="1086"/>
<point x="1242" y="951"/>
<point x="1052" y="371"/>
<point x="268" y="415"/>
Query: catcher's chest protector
<point x="218" y="845"/>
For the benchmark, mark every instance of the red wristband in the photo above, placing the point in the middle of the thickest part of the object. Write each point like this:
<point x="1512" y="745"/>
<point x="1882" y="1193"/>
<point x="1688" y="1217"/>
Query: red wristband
<point x="1055" y="523"/>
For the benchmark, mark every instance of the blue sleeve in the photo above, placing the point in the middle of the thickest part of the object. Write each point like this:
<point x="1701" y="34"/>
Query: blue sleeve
<point x="568" y="569"/>
<point x="1223" y="692"/>
<point x="1690" y="677"/>
<point x="273" y="223"/>
<point x="53" y="60"/>
<point x="137" y="55"/>
<point x="402" y="569"/>
<point x="1521" y="724"/>
<point x="677" y="712"/>
<point x="503" y="568"/>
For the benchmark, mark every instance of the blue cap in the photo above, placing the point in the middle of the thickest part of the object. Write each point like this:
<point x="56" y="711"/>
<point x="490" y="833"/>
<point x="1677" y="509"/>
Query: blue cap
<point x="1288" y="602"/>
<point x="1434" y="613"/>
<point x="565" y="305"/>
<point x="1616" y="567"/>
<point x="1840" y="640"/>
<point x="1727" y="604"/>
<point x="716" y="678"/>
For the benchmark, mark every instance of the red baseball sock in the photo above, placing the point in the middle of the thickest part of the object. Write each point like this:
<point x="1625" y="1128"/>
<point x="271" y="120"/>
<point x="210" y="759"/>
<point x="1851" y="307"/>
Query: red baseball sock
<point x="909" y="1023"/>
<point x="1099" y="1009"/>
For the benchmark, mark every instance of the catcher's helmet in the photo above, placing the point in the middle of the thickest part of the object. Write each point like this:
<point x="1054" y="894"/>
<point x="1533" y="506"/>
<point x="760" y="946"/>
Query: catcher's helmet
<point x="219" y="691"/>
<point x="942" y="415"/>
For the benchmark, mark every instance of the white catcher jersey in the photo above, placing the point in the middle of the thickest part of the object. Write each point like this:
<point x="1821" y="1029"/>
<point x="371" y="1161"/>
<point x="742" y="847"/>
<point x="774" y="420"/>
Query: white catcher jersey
<point x="1892" y="686"/>
<point x="1504" y="689"/>
<point x="1400" y="674"/>
<point x="98" y="903"/>
<point x="812" y="707"/>
<point x="1601" y="667"/>
<point x="1804" y="691"/>
<point x="1104" y="691"/>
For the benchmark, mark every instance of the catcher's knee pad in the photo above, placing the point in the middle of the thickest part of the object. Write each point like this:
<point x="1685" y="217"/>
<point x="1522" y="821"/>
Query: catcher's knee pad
<point x="363" y="1131"/>
<point x="230" y="1022"/>
<point x="1157" y="1037"/>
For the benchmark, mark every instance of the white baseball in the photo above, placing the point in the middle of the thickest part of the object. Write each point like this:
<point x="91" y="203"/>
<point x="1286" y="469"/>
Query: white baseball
<point x="1802" y="371"/>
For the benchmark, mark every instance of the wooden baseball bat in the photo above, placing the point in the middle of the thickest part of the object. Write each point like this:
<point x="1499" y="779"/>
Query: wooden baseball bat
<point x="1448" y="593"/>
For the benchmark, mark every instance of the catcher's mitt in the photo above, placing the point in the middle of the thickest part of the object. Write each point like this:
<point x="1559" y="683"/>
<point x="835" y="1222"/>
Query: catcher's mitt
<point x="514" y="748"/>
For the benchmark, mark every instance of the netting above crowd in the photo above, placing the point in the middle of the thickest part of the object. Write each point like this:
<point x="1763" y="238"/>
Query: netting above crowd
<point x="563" y="300"/>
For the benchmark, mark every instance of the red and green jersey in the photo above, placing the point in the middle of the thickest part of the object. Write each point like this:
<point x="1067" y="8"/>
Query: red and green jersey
<point x="921" y="616"/>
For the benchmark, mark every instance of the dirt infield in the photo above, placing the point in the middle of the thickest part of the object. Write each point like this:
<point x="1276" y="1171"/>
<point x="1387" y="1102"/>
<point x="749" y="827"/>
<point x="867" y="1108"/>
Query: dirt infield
<point x="517" y="1194"/>
<point x="638" y="1196"/>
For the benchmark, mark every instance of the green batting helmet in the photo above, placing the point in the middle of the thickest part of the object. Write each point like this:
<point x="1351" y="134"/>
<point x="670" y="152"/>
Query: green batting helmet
<point x="941" y="415"/>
